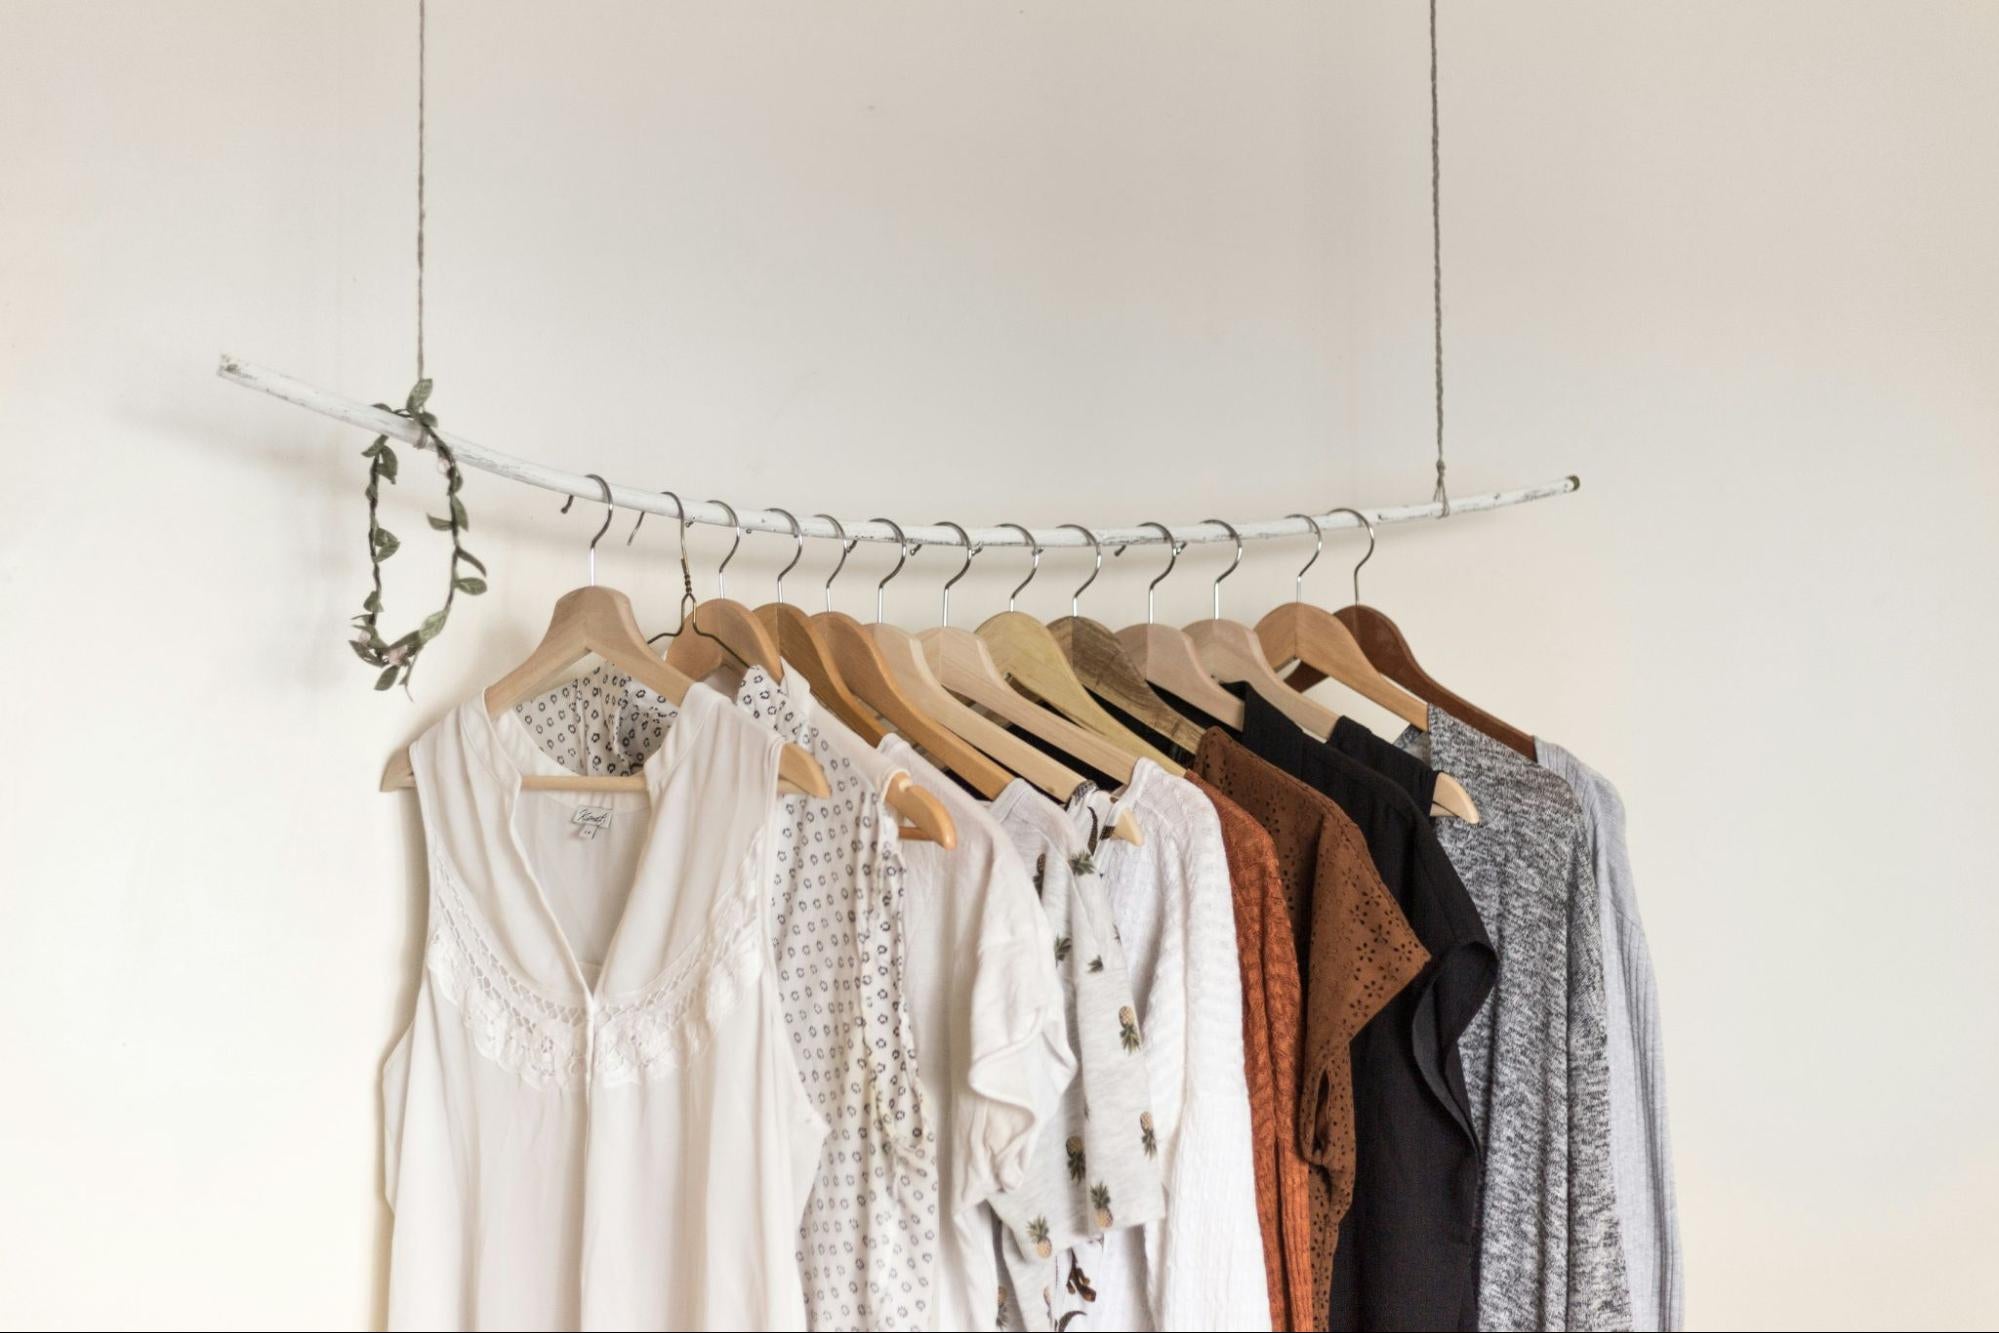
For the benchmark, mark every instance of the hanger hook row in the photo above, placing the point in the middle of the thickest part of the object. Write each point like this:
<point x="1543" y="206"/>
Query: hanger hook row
<point x="964" y="539"/>
<point x="1034" y="547"/>
<point x="904" y="548"/>
<point x="1367" y="523"/>
<point x="1076" y="597"/>
<point x="847" y="545"/>
<point x="1229" y="528"/>
<point x="797" y="549"/>
<point x="1318" y="549"/>
<point x="609" y="509"/>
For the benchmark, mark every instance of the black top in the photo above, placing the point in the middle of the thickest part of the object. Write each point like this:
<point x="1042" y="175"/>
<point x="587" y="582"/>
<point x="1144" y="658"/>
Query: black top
<point x="1388" y="759"/>
<point x="1408" y="1248"/>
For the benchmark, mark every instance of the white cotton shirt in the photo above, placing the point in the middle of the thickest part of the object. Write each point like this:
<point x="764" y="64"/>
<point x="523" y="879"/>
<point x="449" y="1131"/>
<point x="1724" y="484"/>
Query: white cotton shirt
<point x="594" y="1120"/>
<point x="1201" y="1265"/>
<point x="991" y="1029"/>
<point x="867" y="1247"/>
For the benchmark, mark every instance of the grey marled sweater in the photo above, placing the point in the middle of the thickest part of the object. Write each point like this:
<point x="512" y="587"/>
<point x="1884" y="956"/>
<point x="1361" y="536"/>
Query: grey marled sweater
<point x="1535" y="1058"/>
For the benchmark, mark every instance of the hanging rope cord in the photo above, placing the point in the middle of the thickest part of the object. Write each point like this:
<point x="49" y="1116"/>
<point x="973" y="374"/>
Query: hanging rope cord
<point x="1440" y="496"/>
<point x="422" y="70"/>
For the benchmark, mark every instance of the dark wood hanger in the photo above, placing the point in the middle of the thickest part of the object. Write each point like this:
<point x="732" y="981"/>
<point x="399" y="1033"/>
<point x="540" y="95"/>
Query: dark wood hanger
<point x="1385" y="646"/>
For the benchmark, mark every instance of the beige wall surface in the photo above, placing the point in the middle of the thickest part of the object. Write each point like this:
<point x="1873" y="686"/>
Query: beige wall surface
<point x="1732" y="263"/>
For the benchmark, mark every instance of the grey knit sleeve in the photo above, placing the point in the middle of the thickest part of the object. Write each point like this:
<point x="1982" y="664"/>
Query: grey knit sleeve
<point x="1599" y="1290"/>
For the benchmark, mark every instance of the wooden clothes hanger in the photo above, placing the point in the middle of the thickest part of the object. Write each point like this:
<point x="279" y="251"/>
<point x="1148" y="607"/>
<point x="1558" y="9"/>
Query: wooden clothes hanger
<point x="599" y="620"/>
<point x="1312" y="636"/>
<point x="1106" y="669"/>
<point x="1382" y="643"/>
<point x="1027" y="657"/>
<point x="963" y="665"/>
<point x="861" y="665"/>
<point x="747" y="636"/>
<point x="1166" y="656"/>
<point x="1385" y="646"/>
<point x="803" y="644"/>
<point x="910" y="666"/>
<point x="1229" y="651"/>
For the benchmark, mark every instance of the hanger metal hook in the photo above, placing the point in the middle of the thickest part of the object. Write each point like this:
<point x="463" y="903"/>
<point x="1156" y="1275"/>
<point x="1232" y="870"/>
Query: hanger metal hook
<point x="1076" y="597"/>
<point x="688" y="601"/>
<point x="904" y="549"/>
<point x="1367" y="523"/>
<point x="609" y="509"/>
<point x="1034" y="547"/>
<point x="1229" y="528"/>
<point x="1319" y="549"/>
<point x="722" y="570"/>
<point x="847" y="545"/>
<point x="965" y="538"/>
<point x="797" y="553"/>
<point x="1173" y="549"/>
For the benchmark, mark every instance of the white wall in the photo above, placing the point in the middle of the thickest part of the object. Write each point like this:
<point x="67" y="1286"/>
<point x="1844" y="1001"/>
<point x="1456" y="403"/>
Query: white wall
<point x="1731" y="263"/>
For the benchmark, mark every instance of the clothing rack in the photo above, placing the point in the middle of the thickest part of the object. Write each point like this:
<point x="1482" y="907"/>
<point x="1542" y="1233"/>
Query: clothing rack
<point x="376" y="421"/>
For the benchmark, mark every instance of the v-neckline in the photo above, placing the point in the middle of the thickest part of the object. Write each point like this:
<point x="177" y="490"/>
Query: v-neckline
<point x="691" y="714"/>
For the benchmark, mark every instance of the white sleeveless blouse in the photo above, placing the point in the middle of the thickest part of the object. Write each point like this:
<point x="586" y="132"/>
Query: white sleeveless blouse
<point x="594" y="1120"/>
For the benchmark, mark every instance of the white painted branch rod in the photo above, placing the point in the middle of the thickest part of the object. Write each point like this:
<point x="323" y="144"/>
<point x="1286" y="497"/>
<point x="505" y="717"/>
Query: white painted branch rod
<point x="377" y="422"/>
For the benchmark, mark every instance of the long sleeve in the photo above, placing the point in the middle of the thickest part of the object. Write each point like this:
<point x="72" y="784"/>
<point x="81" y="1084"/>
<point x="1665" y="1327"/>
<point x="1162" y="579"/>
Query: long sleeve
<point x="1205" y="1258"/>
<point x="1599" y="1290"/>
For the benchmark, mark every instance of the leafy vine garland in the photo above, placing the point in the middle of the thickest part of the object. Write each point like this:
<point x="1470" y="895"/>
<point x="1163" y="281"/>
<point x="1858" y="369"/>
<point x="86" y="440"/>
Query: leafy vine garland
<point x="398" y="659"/>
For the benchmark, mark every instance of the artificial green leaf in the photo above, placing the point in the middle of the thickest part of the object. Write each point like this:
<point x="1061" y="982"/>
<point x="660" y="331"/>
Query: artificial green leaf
<point x="433" y="625"/>
<point x="472" y="560"/>
<point x="419" y="395"/>
<point x="386" y="544"/>
<point x="365" y="651"/>
<point x="376" y="447"/>
<point x="387" y="678"/>
<point x="470" y="586"/>
<point x="458" y="512"/>
<point x="438" y="524"/>
<point x="386" y="462"/>
<point x="372" y="603"/>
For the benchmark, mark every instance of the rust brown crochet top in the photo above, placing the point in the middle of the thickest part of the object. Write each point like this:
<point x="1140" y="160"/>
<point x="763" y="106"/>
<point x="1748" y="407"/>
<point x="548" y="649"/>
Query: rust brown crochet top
<point x="1354" y="948"/>
<point x="1273" y="1022"/>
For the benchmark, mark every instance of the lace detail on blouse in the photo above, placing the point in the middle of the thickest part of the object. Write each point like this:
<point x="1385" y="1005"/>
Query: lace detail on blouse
<point x="542" y="1040"/>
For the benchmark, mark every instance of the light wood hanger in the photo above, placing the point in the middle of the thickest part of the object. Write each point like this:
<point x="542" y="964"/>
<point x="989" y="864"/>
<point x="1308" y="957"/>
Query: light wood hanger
<point x="803" y="645"/>
<point x="1230" y="653"/>
<point x="1106" y="669"/>
<point x="599" y="620"/>
<point x="1166" y="656"/>
<point x="961" y="663"/>
<point x="910" y="665"/>
<point x="922" y="817"/>
<point x="861" y="665"/>
<point x="1026" y="657"/>
<point x="720" y="628"/>
<point x="1313" y="636"/>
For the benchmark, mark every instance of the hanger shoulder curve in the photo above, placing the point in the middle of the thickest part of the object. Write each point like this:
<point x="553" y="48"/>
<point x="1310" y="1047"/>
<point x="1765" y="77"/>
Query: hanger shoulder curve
<point x="1167" y="658"/>
<point x="1027" y="655"/>
<point x="1301" y="632"/>
<point x="717" y="629"/>
<point x="1106" y="669"/>
<point x="1232" y="655"/>
<point x="1383" y="642"/>
<point x="802" y="644"/>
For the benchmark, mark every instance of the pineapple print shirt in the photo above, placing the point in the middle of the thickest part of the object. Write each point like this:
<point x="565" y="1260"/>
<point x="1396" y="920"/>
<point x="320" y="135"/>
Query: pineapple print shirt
<point x="1096" y="1165"/>
<point x="867" y="1246"/>
<point x="1201" y="1265"/>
